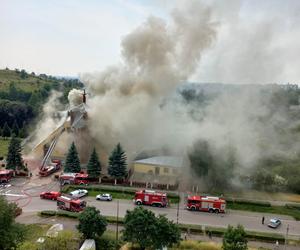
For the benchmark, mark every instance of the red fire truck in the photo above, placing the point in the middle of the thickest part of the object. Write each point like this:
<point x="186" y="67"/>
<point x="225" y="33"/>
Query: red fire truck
<point x="74" y="178"/>
<point x="206" y="203"/>
<point x="70" y="204"/>
<point x="150" y="197"/>
<point x="6" y="175"/>
<point x="54" y="166"/>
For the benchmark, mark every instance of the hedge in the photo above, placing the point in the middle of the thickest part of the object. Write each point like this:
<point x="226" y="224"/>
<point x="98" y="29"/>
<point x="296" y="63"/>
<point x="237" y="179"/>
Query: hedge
<point x="248" y="202"/>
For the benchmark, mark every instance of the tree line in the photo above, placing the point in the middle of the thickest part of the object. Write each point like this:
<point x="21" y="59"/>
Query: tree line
<point x="116" y="166"/>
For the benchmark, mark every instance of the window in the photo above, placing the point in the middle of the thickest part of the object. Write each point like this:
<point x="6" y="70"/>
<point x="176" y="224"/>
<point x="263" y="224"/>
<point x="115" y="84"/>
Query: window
<point x="156" y="170"/>
<point x="166" y="170"/>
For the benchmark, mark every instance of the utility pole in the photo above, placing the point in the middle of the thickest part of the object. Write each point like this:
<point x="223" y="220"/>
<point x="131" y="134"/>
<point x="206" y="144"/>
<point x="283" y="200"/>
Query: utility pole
<point x="286" y="237"/>
<point x="178" y="207"/>
<point x="117" y="232"/>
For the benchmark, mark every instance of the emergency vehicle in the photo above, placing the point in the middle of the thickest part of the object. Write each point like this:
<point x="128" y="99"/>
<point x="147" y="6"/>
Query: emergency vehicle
<point x="206" y="203"/>
<point x="70" y="204"/>
<point x="54" y="166"/>
<point x="74" y="178"/>
<point x="6" y="175"/>
<point x="150" y="197"/>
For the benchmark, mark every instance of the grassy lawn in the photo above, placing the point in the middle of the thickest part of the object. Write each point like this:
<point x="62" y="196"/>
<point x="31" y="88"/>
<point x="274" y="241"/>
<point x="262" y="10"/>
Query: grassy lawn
<point x="34" y="231"/>
<point x="3" y="147"/>
<point x="263" y="209"/>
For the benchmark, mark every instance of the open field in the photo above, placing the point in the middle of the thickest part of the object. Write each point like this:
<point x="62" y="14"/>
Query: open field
<point x="29" y="84"/>
<point x="3" y="146"/>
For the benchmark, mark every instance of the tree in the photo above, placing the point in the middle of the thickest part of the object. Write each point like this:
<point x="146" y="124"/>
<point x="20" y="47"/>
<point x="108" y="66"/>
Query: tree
<point x="72" y="162"/>
<point x="23" y="74"/>
<point x="15" y="129"/>
<point x="167" y="233"/>
<point x="94" y="166"/>
<point x="11" y="233"/>
<point x="143" y="228"/>
<point x="140" y="227"/>
<point x="6" y="130"/>
<point x="14" y="156"/>
<point x="117" y="163"/>
<point x="235" y="238"/>
<point x="91" y="223"/>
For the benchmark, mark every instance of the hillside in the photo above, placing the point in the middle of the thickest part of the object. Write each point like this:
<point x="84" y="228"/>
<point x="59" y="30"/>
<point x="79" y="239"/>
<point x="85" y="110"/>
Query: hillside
<point x="23" y="81"/>
<point x="22" y="96"/>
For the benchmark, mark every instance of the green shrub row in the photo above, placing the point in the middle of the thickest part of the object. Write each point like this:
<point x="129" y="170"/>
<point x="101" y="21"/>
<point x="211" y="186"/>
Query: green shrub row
<point x="247" y="202"/>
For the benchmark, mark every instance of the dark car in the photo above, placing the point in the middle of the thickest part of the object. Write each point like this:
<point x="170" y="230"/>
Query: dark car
<point x="274" y="223"/>
<point x="50" y="195"/>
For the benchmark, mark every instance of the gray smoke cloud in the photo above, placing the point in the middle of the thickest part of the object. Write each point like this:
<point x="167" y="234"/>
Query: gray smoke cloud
<point x="257" y="43"/>
<point x="156" y="57"/>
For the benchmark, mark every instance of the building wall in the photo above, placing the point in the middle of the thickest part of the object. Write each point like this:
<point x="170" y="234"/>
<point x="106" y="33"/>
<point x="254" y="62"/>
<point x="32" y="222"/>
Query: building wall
<point x="155" y="169"/>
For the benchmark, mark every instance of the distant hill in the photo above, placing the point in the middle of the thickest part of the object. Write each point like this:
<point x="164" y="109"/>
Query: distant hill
<point x="22" y="80"/>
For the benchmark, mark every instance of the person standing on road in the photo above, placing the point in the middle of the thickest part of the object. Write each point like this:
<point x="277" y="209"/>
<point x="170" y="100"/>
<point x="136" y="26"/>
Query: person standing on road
<point x="263" y="220"/>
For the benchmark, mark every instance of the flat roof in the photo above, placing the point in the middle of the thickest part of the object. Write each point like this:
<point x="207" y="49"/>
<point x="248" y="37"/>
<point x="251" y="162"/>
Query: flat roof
<point x="165" y="161"/>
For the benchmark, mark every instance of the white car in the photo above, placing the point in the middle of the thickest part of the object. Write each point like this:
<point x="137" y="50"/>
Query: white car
<point x="79" y="193"/>
<point x="104" y="197"/>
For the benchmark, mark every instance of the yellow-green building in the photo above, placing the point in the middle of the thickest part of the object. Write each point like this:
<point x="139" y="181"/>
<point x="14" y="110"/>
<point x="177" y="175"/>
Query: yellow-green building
<point x="158" y="170"/>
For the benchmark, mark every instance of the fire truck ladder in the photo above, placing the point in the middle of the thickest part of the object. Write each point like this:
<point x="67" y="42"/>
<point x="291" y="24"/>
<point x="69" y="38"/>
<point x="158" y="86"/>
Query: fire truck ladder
<point x="46" y="158"/>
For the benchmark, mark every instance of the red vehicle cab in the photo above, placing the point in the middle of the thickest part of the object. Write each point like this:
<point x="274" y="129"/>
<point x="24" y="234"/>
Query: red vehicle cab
<point x="5" y="175"/>
<point x="50" y="195"/>
<point x="74" y="178"/>
<point x="206" y="203"/>
<point x="150" y="197"/>
<point x="70" y="204"/>
<point x="54" y="166"/>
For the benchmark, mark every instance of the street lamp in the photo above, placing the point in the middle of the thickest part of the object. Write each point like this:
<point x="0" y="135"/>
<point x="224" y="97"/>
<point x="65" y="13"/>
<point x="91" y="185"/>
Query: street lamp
<point x="286" y="236"/>
<point x="117" y="232"/>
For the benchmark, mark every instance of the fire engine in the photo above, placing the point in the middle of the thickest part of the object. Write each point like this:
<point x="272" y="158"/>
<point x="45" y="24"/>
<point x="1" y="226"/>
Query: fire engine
<point x="206" y="203"/>
<point x="54" y="166"/>
<point x="70" y="204"/>
<point x="74" y="178"/>
<point x="150" y="197"/>
<point x="5" y="175"/>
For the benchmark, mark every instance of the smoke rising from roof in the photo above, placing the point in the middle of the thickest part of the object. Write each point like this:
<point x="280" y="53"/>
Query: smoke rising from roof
<point x="156" y="57"/>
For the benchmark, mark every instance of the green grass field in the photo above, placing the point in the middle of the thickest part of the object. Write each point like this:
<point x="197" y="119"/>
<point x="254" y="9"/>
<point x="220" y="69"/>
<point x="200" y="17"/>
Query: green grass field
<point x="29" y="84"/>
<point x="3" y="147"/>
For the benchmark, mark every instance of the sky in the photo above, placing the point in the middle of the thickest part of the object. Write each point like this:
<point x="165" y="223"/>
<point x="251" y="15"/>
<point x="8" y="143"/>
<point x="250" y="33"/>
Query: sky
<point x="256" y="42"/>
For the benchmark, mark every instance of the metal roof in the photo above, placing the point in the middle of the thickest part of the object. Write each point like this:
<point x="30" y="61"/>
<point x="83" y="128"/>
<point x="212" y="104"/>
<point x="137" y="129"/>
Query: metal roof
<point x="167" y="161"/>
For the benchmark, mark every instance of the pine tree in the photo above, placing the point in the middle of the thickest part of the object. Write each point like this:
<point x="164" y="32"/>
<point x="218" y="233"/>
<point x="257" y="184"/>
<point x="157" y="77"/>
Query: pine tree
<point x="94" y="166"/>
<point x="6" y="130"/>
<point x="72" y="162"/>
<point x="117" y="163"/>
<point x="14" y="156"/>
<point x="15" y="129"/>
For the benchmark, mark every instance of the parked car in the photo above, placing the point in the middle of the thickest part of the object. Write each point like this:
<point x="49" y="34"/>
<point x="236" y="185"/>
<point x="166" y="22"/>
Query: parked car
<point x="50" y="195"/>
<point x="79" y="193"/>
<point x="274" y="223"/>
<point x="104" y="197"/>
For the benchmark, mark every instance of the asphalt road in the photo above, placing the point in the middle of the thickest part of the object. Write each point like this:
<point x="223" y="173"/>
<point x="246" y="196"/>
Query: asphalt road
<point x="26" y="195"/>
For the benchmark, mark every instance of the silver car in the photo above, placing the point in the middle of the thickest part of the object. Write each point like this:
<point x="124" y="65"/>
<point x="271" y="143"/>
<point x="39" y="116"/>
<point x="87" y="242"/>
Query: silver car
<point x="274" y="223"/>
<point x="79" y="193"/>
<point x="104" y="197"/>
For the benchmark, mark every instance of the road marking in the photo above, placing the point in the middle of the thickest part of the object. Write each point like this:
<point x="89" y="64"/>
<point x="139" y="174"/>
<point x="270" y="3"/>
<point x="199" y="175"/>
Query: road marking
<point x="16" y="195"/>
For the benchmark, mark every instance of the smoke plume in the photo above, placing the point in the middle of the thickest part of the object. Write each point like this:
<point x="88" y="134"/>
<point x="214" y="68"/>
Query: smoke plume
<point x="156" y="57"/>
